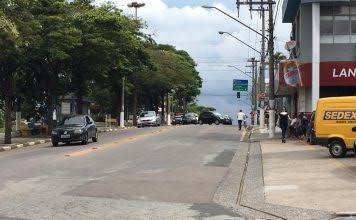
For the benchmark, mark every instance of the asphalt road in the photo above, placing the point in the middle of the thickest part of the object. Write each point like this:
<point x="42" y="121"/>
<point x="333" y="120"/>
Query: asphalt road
<point x="150" y="173"/>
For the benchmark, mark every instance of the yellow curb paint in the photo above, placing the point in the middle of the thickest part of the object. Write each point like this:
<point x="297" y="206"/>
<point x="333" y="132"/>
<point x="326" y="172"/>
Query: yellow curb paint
<point x="112" y="144"/>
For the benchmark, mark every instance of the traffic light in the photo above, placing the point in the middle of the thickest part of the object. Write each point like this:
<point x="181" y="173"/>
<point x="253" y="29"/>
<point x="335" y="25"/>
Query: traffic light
<point x="238" y="95"/>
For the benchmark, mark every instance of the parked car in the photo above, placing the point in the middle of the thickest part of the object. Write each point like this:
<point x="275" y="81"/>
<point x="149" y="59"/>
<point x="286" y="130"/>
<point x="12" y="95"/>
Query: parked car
<point x="78" y="128"/>
<point x="227" y="120"/>
<point x="190" y="118"/>
<point x="177" y="120"/>
<point x="210" y="118"/>
<point x="148" y="118"/>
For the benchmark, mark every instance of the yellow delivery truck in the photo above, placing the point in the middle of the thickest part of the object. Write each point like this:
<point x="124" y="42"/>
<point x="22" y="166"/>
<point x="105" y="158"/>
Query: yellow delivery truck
<point x="335" y="124"/>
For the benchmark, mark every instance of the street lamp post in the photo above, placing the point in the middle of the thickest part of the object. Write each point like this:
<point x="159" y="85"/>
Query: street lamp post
<point x="135" y="5"/>
<point x="243" y="24"/>
<point x="224" y="32"/>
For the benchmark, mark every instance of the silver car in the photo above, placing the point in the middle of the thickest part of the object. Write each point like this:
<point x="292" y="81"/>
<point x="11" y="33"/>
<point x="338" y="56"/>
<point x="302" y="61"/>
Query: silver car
<point x="148" y="118"/>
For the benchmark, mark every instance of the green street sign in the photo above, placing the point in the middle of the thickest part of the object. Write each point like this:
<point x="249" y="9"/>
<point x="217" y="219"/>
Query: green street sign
<point x="240" y="87"/>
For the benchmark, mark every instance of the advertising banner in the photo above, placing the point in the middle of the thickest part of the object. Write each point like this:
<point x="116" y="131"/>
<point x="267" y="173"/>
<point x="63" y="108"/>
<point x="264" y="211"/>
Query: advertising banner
<point x="291" y="73"/>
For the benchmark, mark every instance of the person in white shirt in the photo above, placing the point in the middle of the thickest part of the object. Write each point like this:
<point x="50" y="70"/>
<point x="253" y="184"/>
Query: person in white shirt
<point x="240" y="118"/>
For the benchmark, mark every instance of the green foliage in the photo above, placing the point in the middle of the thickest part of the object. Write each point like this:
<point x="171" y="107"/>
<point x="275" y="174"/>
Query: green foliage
<point x="49" y="48"/>
<point x="193" y="107"/>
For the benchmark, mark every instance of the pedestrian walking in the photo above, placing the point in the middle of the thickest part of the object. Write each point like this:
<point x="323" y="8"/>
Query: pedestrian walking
<point x="283" y="120"/>
<point x="240" y="118"/>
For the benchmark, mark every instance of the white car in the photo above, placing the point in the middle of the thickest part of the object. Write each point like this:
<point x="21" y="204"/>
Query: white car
<point x="148" y="118"/>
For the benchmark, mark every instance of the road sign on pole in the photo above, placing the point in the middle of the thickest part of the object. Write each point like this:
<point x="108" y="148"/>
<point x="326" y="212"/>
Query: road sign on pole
<point x="240" y="85"/>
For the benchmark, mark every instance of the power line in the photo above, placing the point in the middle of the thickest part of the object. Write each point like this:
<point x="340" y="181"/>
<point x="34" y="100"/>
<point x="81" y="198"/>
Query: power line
<point x="275" y="16"/>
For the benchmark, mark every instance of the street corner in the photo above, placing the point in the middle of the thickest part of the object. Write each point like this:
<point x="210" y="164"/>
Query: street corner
<point x="300" y="175"/>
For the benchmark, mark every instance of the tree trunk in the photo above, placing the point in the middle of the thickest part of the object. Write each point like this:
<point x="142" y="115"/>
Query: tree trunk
<point x="8" y="107"/>
<point x="80" y="94"/>
<point x="162" y="107"/>
<point x="156" y="103"/>
<point x="134" y="112"/>
<point x="168" y="109"/>
<point x="184" y="105"/>
<point x="51" y="87"/>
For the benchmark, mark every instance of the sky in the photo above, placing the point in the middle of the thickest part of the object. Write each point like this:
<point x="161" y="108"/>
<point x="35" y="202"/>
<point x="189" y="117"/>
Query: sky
<point x="188" y="26"/>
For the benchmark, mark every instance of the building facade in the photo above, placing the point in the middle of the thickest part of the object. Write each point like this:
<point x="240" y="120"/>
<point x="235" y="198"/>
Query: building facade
<point x="324" y="36"/>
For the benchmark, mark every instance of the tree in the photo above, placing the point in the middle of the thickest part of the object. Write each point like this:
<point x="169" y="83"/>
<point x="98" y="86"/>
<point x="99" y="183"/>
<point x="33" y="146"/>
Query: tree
<point x="50" y="57"/>
<point x="194" y="107"/>
<point x="278" y="57"/>
<point x="16" y="25"/>
<point x="174" y="73"/>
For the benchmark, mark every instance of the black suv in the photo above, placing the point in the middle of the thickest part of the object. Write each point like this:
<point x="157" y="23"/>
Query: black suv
<point x="210" y="118"/>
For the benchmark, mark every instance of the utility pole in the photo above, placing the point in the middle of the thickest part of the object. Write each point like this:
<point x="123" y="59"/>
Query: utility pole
<point x="261" y="7"/>
<point x="262" y="69"/>
<point x="272" y="111"/>
<point x="122" y="112"/>
<point x="136" y="6"/>
<point x="254" y="93"/>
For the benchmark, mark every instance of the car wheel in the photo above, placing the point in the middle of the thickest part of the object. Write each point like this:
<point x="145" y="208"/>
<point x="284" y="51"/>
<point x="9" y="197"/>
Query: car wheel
<point x="337" y="149"/>
<point x="54" y="143"/>
<point x="200" y="122"/>
<point x="85" y="139"/>
<point x="95" y="139"/>
<point x="217" y="122"/>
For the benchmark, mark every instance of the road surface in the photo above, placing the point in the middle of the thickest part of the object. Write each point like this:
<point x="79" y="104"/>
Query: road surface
<point x="150" y="173"/>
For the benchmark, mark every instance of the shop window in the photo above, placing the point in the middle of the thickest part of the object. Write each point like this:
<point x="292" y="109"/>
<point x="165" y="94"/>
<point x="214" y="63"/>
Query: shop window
<point x="342" y="25"/>
<point x="353" y="9"/>
<point x="326" y="10"/>
<point x="341" y="10"/>
<point x="326" y="25"/>
<point x="353" y="29"/>
<point x="337" y="25"/>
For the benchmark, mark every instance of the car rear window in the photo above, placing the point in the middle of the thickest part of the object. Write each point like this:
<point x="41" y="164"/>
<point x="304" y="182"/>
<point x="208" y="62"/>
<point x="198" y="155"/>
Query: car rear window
<point x="76" y="120"/>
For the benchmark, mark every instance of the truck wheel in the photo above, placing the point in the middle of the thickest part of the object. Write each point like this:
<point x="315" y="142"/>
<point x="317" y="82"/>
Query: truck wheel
<point x="217" y="122"/>
<point x="337" y="149"/>
<point x="54" y="143"/>
<point x="200" y="122"/>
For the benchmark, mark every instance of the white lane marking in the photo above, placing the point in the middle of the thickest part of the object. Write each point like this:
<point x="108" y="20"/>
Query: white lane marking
<point x="281" y="187"/>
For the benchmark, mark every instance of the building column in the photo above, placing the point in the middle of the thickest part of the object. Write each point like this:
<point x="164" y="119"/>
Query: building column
<point x="315" y="54"/>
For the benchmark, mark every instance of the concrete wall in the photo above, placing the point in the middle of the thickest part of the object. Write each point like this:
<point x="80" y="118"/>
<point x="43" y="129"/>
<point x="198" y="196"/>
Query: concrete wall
<point x="305" y="27"/>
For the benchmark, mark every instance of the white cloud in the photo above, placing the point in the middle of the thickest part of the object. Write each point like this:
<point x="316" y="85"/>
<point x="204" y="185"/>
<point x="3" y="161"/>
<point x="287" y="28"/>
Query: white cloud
<point x="195" y="30"/>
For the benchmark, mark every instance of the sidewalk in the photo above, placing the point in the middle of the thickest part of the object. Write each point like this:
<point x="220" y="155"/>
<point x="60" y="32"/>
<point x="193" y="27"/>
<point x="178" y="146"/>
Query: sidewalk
<point x="301" y="175"/>
<point x="19" y="142"/>
<point x="297" y="174"/>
